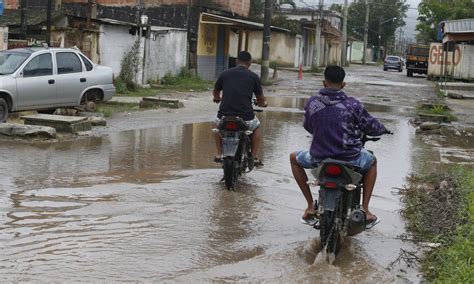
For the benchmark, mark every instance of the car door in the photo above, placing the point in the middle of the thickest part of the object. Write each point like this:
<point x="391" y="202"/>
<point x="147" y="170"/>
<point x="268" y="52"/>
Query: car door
<point x="36" y="83"/>
<point x="71" y="79"/>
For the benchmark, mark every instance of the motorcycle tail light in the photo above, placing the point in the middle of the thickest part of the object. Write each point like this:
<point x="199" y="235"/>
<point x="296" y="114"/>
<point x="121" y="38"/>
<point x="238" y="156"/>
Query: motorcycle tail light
<point x="230" y="126"/>
<point x="333" y="170"/>
<point x="330" y="185"/>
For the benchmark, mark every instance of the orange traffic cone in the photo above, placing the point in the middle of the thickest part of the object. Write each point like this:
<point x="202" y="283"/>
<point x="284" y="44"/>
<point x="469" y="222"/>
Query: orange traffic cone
<point x="300" y="72"/>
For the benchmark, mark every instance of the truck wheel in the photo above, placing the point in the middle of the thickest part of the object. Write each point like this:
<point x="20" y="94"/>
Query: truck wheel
<point x="3" y="110"/>
<point x="409" y="73"/>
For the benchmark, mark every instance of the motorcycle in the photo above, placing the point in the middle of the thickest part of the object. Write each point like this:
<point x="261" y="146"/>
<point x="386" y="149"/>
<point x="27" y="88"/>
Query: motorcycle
<point x="339" y="208"/>
<point x="236" y="149"/>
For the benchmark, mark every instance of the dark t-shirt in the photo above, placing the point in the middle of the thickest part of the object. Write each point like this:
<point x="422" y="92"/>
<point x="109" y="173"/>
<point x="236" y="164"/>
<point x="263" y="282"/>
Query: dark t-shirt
<point x="238" y="85"/>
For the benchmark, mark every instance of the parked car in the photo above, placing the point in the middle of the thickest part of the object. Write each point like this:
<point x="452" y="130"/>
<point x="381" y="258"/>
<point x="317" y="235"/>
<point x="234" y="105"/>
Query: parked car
<point x="393" y="62"/>
<point x="44" y="79"/>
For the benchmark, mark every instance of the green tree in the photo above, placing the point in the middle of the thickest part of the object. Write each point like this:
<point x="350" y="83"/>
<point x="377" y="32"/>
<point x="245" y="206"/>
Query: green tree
<point x="432" y="12"/>
<point x="386" y="16"/>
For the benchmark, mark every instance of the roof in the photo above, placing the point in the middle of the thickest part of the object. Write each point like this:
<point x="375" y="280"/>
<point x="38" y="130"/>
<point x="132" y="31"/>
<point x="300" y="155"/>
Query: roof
<point x="240" y="22"/>
<point x="36" y="49"/>
<point x="458" y="30"/>
<point x="459" y="26"/>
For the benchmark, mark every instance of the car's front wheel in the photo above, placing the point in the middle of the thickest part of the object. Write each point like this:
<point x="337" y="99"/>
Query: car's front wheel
<point x="3" y="110"/>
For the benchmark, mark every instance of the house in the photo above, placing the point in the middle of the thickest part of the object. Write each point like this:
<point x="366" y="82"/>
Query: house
<point x="221" y="38"/>
<point x="454" y="57"/>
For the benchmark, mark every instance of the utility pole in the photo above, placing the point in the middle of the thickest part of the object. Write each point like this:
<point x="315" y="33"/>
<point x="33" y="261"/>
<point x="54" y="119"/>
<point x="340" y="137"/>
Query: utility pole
<point x="48" y="21"/>
<point x="344" y="35"/>
<point x="24" y="24"/>
<point x="317" y="43"/>
<point x="267" y="21"/>
<point x="366" y="30"/>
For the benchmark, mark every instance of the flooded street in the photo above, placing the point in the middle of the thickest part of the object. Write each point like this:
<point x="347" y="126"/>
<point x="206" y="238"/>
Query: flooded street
<point x="148" y="205"/>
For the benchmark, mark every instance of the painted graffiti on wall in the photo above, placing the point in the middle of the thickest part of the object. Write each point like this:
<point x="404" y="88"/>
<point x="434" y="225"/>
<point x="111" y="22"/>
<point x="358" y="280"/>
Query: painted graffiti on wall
<point x="437" y="56"/>
<point x="207" y="40"/>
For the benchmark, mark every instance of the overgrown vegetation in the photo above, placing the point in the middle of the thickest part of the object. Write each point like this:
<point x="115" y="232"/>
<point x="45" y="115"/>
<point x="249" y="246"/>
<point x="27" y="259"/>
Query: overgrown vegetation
<point x="186" y="80"/>
<point x="439" y="209"/>
<point x="129" y="69"/>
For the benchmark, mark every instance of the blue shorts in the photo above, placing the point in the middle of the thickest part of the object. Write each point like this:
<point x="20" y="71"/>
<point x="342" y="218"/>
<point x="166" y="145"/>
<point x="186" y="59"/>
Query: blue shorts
<point x="365" y="160"/>
<point x="251" y="124"/>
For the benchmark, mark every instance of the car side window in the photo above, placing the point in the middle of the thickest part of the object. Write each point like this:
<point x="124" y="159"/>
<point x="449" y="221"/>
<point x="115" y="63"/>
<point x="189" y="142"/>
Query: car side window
<point x="87" y="63"/>
<point x="68" y="62"/>
<point x="41" y="65"/>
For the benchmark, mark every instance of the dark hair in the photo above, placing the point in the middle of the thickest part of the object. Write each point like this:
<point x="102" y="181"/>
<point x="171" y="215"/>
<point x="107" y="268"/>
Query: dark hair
<point x="244" y="56"/>
<point x="334" y="74"/>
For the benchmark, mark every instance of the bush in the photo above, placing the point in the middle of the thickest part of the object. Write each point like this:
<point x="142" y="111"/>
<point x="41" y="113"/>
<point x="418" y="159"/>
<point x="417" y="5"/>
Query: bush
<point x="120" y="86"/>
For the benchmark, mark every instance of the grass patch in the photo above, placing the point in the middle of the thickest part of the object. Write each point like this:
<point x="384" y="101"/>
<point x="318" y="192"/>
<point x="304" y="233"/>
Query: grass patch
<point x="437" y="109"/>
<point x="185" y="81"/>
<point x="439" y="208"/>
<point x="110" y="108"/>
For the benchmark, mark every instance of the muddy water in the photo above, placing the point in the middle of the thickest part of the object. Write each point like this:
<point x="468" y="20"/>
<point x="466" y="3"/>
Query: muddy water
<point x="148" y="205"/>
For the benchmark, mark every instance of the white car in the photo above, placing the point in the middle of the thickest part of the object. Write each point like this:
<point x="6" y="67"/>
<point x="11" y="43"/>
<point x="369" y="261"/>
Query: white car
<point x="44" y="79"/>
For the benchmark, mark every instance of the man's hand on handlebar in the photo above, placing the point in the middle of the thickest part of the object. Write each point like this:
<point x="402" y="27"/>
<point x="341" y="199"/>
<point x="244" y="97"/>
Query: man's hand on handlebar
<point x="388" y="132"/>
<point x="216" y="100"/>
<point x="260" y="103"/>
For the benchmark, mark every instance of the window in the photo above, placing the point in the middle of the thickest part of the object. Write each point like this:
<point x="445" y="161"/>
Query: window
<point x="68" y="62"/>
<point x="41" y="65"/>
<point x="88" y="64"/>
<point x="9" y="61"/>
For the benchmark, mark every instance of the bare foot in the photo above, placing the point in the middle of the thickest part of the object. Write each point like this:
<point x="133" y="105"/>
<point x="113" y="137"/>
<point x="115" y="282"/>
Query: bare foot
<point x="369" y="216"/>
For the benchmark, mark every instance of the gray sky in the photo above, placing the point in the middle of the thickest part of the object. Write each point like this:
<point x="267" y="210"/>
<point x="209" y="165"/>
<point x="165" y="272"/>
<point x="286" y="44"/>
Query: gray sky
<point x="410" y="20"/>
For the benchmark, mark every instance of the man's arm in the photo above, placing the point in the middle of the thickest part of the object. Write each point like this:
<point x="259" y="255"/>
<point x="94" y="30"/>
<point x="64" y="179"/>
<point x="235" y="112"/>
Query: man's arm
<point x="370" y="125"/>
<point x="217" y="96"/>
<point x="218" y="86"/>
<point x="258" y="91"/>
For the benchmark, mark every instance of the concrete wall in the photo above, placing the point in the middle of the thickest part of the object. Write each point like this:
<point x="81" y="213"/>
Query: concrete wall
<point x="167" y="53"/>
<point x="3" y="38"/>
<point x="283" y="47"/>
<point x="357" y="51"/>
<point x="115" y="41"/>
<point x="459" y="65"/>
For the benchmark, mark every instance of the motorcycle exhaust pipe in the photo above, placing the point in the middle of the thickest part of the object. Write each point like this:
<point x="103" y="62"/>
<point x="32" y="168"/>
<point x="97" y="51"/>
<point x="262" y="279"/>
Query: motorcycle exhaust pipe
<point x="356" y="222"/>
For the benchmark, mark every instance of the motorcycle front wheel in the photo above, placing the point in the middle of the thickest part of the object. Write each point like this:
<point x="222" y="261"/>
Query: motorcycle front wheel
<point x="330" y="234"/>
<point x="230" y="173"/>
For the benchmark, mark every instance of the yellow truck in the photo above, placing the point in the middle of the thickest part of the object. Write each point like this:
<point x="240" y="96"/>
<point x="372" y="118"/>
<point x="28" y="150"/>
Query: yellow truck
<point x="417" y="59"/>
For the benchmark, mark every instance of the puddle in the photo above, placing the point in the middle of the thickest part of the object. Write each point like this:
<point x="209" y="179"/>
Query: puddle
<point x="151" y="200"/>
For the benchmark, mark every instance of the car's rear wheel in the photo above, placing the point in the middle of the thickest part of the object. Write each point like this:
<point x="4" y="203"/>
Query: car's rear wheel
<point x="3" y="110"/>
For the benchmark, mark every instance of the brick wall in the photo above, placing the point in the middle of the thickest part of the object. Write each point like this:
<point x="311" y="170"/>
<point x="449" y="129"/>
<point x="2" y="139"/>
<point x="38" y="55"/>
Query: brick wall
<point x="11" y="4"/>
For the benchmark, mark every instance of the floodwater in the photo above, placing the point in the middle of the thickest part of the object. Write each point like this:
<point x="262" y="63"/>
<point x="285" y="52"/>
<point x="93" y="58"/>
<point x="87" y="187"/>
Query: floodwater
<point x="148" y="205"/>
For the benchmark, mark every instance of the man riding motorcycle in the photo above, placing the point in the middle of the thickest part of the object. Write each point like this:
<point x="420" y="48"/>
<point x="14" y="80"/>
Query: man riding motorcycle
<point x="238" y="85"/>
<point x="336" y="122"/>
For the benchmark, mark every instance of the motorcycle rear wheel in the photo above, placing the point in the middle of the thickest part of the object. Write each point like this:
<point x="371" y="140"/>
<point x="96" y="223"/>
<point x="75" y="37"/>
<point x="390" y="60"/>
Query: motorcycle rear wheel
<point x="330" y="236"/>
<point x="230" y="173"/>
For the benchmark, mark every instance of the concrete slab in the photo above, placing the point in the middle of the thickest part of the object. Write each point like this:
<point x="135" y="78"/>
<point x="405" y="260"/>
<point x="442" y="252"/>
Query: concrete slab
<point x="20" y="130"/>
<point x="460" y="94"/>
<point x="457" y="86"/>
<point x="69" y="124"/>
<point x="162" y="102"/>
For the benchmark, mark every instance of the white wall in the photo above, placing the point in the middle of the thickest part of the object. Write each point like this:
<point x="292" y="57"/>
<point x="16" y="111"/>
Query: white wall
<point x="115" y="41"/>
<point x="168" y="53"/>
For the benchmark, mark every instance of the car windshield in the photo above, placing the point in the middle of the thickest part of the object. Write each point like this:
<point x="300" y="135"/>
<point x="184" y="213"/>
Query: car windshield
<point x="10" y="61"/>
<point x="392" y="58"/>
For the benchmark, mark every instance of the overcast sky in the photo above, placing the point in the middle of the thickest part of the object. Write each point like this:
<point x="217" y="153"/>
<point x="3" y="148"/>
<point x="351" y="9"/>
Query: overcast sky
<point x="410" y="20"/>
